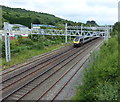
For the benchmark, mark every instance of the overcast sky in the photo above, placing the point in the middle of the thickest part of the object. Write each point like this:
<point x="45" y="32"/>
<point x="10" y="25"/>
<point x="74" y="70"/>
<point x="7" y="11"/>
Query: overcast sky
<point x="102" y="11"/>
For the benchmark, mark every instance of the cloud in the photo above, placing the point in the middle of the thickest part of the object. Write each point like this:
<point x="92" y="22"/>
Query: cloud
<point x="101" y="3"/>
<point x="103" y="11"/>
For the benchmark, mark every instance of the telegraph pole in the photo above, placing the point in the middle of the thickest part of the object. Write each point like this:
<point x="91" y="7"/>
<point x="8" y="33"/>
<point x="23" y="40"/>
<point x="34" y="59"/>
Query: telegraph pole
<point x="81" y="29"/>
<point x="106" y="32"/>
<point x="7" y="41"/>
<point x="66" y="33"/>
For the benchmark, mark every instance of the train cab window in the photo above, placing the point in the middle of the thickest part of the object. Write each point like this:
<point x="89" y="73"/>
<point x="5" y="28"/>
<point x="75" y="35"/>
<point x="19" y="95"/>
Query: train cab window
<point x="77" y="38"/>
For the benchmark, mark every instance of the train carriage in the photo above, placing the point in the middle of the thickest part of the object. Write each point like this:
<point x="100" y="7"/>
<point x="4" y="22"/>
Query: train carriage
<point x="80" y="40"/>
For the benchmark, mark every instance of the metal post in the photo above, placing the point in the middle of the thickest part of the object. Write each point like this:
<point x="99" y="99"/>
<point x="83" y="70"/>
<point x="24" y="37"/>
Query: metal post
<point x="7" y="41"/>
<point x="31" y="30"/>
<point x="106" y="32"/>
<point x="66" y="33"/>
<point x="119" y="11"/>
<point x="82" y="32"/>
<point x="111" y="29"/>
<point x="81" y="29"/>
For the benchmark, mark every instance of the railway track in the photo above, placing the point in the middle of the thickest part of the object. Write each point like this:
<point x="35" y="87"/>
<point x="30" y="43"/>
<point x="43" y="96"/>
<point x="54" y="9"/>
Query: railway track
<point x="20" y="92"/>
<point x="65" y="84"/>
<point x="33" y="65"/>
<point x="37" y="58"/>
<point x="12" y="80"/>
<point x="28" y="68"/>
<point x="22" y="75"/>
<point x="8" y="82"/>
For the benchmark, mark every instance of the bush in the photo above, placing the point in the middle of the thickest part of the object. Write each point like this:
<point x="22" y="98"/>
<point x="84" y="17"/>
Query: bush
<point x="19" y="36"/>
<point x="3" y="48"/>
<point x="14" y="44"/>
<point x="46" y="43"/>
<point x="25" y="41"/>
<point x="49" y="37"/>
<point x="34" y="37"/>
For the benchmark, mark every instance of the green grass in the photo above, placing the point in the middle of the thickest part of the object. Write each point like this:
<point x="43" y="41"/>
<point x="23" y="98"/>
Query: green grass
<point x="26" y="54"/>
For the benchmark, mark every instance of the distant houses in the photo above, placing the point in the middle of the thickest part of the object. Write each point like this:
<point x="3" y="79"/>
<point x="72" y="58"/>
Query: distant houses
<point x="38" y="26"/>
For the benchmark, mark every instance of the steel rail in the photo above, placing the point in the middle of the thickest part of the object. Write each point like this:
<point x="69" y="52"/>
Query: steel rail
<point x="31" y="66"/>
<point x="15" y="81"/>
<point x="32" y="80"/>
<point x="36" y="59"/>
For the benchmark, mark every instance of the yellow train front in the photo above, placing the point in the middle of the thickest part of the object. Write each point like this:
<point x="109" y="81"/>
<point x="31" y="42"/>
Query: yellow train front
<point x="78" y="41"/>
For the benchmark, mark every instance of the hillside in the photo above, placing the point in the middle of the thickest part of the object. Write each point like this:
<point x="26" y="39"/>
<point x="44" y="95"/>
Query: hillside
<point x="26" y="17"/>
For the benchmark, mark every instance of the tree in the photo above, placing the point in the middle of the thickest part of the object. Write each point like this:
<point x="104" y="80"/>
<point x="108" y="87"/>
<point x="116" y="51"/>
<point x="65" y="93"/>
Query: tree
<point x="35" y="21"/>
<point x="92" y="23"/>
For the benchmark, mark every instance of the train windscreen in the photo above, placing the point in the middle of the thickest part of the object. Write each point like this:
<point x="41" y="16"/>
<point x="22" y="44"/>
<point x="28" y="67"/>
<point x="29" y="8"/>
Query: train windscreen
<point x="77" y="38"/>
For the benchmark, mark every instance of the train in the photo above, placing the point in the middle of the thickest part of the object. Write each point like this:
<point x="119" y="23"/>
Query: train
<point x="80" y="40"/>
